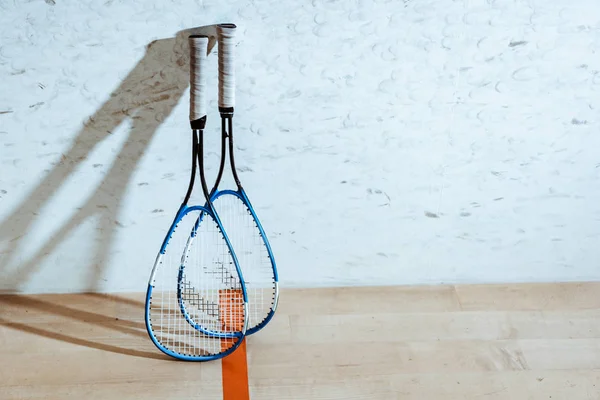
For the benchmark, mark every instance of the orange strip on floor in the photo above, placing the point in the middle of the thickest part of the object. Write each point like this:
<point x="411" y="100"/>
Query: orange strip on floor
<point x="235" y="366"/>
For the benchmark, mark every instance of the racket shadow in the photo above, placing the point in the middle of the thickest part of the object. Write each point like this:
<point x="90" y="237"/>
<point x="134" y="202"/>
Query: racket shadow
<point x="145" y="98"/>
<point x="78" y="322"/>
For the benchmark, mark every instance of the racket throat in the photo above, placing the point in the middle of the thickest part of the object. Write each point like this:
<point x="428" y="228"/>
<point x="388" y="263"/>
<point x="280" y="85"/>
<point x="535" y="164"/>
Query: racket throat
<point x="227" y="146"/>
<point x="194" y="165"/>
<point x="199" y="134"/>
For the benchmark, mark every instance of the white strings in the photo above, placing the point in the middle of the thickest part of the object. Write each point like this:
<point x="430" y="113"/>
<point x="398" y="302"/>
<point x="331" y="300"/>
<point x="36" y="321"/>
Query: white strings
<point x="211" y="291"/>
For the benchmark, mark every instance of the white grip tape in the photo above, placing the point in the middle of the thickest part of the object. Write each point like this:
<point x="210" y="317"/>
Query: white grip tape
<point x="198" y="50"/>
<point x="226" y="37"/>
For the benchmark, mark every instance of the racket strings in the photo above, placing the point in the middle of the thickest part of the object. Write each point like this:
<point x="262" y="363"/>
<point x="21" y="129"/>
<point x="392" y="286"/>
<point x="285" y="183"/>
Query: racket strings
<point x="192" y="298"/>
<point x="252" y="254"/>
<point x="197" y="292"/>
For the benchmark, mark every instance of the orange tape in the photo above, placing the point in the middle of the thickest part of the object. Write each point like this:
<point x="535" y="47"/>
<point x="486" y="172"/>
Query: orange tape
<point x="234" y="367"/>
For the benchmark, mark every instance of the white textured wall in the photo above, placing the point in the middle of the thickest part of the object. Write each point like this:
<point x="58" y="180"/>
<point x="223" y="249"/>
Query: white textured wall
<point x="381" y="141"/>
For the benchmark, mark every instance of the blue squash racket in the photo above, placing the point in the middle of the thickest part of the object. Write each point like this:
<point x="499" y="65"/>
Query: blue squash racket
<point x="196" y="302"/>
<point x="237" y="215"/>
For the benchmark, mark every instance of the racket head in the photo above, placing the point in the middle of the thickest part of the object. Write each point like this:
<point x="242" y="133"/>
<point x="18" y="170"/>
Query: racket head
<point x="253" y="252"/>
<point x="196" y="302"/>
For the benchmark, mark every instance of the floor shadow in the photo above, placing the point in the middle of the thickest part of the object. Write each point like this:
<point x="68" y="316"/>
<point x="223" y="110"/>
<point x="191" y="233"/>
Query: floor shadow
<point x="132" y="333"/>
<point x="146" y="97"/>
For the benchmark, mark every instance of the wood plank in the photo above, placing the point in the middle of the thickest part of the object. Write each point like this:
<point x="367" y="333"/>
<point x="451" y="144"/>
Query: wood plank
<point x="366" y="300"/>
<point x="380" y="357"/>
<point x="478" y="325"/>
<point x="513" y="385"/>
<point x="535" y="296"/>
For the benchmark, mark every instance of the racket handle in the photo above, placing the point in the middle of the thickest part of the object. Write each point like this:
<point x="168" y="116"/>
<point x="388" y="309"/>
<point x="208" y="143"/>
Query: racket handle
<point x="226" y="38"/>
<point x="198" y="51"/>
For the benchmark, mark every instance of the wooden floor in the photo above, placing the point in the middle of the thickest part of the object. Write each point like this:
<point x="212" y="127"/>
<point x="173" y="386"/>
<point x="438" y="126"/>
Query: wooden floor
<point x="451" y="342"/>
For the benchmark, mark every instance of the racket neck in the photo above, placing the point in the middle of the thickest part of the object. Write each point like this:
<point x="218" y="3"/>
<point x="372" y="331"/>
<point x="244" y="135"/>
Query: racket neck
<point x="193" y="172"/>
<point x="222" y="162"/>
<point x="227" y="144"/>
<point x="199" y="137"/>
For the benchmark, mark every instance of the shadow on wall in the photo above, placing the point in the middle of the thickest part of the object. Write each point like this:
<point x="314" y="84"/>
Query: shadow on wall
<point x="147" y="97"/>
